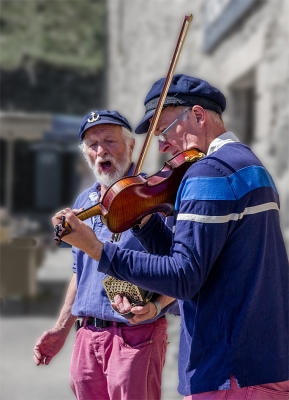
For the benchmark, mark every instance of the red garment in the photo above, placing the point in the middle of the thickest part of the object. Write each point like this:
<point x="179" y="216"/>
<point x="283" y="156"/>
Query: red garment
<point x="269" y="391"/>
<point x="119" y="363"/>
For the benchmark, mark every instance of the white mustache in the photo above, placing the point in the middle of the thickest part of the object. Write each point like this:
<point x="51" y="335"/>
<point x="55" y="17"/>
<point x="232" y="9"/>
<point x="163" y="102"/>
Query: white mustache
<point x="100" y="160"/>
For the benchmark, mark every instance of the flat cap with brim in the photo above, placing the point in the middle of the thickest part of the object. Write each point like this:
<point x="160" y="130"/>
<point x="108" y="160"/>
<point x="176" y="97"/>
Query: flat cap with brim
<point x="184" y="91"/>
<point x="102" y="117"/>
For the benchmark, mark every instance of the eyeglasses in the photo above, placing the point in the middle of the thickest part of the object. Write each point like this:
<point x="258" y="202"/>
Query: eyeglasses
<point x="161" y="136"/>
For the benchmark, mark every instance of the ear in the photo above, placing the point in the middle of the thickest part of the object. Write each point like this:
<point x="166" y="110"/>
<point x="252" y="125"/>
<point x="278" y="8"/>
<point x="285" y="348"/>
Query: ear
<point x="199" y="114"/>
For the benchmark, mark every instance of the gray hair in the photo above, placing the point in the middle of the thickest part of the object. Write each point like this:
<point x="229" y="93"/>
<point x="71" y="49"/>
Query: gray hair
<point x="216" y="117"/>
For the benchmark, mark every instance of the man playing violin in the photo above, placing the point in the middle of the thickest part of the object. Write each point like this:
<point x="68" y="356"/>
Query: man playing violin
<point x="113" y="357"/>
<point x="225" y="259"/>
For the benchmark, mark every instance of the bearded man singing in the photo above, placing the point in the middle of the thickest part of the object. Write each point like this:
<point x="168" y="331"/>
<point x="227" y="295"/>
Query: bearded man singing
<point x="113" y="357"/>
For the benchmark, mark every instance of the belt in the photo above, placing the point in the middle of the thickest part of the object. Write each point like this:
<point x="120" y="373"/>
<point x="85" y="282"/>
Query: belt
<point x="96" y="322"/>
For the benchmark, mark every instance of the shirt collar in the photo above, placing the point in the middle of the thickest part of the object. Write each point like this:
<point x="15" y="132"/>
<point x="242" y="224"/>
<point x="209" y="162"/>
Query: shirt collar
<point x="227" y="137"/>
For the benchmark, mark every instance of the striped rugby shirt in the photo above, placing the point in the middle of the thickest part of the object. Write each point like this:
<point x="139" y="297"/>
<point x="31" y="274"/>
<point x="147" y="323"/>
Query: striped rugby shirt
<point x="226" y="263"/>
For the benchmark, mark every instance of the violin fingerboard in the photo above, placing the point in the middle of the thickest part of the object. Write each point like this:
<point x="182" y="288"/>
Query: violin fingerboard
<point x="89" y="212"/>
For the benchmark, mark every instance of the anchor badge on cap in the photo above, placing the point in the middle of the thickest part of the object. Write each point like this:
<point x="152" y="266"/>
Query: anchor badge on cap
<point x="94" y="117"/>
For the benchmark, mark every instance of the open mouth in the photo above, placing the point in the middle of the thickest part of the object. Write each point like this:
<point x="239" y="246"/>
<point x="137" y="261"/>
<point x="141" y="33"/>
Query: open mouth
<point x="105" y="165"/>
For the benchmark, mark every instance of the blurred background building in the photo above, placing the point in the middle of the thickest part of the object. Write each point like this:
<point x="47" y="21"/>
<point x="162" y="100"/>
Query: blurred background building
<point x="62" y="59"/>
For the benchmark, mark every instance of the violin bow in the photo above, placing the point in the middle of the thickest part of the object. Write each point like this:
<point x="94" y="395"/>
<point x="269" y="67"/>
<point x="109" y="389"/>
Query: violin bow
<point x="178" y="49"/>
<point x="177" y="52"/>
<point x="63" y="229"/>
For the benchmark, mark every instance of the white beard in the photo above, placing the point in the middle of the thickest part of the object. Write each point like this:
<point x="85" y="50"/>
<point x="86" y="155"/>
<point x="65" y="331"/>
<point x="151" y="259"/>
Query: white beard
<point x="106" y="179"/>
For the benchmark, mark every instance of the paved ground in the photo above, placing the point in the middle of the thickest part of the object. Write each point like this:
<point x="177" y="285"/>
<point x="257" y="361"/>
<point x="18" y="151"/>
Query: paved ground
<point x="21" y="324"/>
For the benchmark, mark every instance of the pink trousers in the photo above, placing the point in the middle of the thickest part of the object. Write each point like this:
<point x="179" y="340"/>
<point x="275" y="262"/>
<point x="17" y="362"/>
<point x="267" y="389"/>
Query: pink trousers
<point x="269" y="391"/>
<point x="119" y="363"/>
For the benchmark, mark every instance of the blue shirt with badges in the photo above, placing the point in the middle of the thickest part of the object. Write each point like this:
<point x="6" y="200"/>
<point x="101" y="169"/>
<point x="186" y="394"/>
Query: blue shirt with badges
<point x="91" y="298"/>
<point x="227" y="266"/>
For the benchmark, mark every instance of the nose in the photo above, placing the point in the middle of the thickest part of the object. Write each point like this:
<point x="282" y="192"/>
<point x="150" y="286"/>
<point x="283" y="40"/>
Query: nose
<point x="163" y="147"/>
<point x="101" y="151"/>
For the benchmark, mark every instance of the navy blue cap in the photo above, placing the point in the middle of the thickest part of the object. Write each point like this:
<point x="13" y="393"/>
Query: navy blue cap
<point x="184" y="91"/>
<point x="102" y="117"/>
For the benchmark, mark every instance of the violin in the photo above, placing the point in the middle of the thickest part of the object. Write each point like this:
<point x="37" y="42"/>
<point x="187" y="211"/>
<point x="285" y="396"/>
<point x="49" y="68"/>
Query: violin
<point x="130" y="199"/>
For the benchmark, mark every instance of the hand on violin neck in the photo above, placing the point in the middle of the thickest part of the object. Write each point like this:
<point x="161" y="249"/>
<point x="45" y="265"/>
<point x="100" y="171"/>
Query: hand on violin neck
<point x="56" y="219"/>
<point x="81" y="235"/>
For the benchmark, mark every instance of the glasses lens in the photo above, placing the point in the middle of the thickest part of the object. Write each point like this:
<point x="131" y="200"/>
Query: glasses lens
<point x="161" y="136"/>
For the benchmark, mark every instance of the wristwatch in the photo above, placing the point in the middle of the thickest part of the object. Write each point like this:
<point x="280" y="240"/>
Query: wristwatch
<point x="158" y="307"/>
